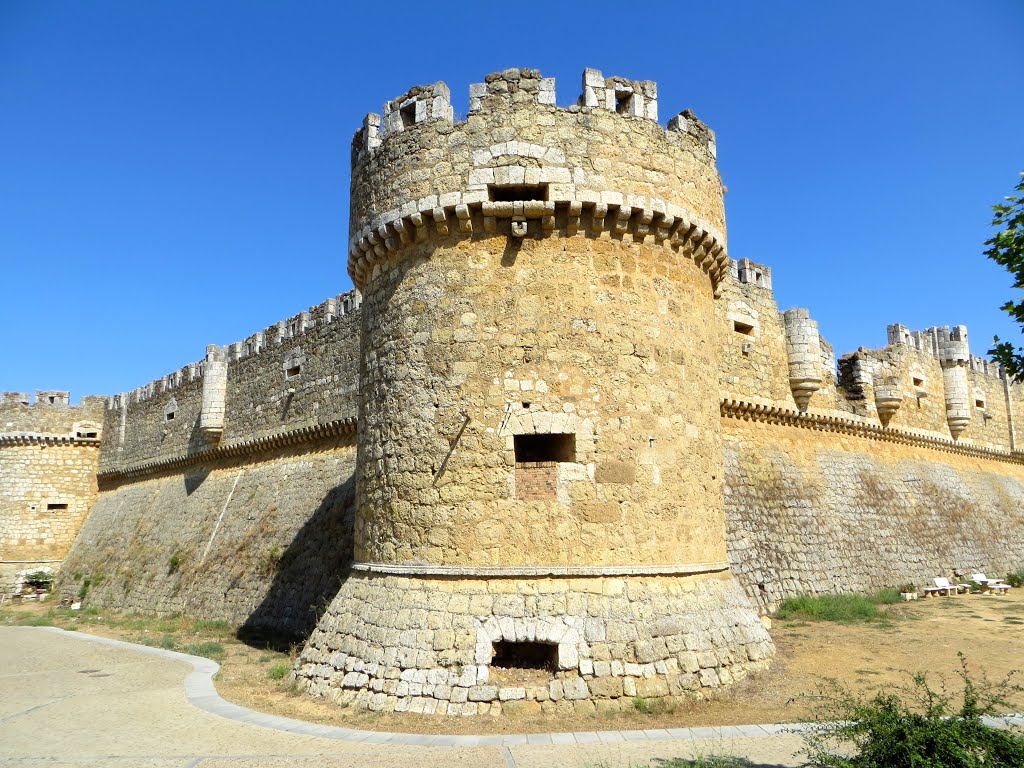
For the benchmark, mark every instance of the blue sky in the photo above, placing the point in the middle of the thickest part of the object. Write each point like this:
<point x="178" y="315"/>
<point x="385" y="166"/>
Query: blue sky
<point x="175" y="174"/>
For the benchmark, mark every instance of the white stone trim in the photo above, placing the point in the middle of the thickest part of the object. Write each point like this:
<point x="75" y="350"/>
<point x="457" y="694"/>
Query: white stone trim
<point x="515" y="571"/>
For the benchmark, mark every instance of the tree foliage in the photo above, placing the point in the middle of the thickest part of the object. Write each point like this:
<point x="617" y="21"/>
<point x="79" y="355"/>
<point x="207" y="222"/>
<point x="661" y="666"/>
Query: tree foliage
<point x="922" y="728"/>
<point x="1006" y="248"/>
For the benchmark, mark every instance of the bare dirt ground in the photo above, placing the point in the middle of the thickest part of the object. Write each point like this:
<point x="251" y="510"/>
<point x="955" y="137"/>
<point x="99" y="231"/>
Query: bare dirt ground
<point x="922" y="636"/>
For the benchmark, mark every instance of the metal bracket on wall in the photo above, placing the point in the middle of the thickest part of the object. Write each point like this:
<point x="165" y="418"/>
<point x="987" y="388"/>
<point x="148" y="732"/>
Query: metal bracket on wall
<point x="451" y="449"/>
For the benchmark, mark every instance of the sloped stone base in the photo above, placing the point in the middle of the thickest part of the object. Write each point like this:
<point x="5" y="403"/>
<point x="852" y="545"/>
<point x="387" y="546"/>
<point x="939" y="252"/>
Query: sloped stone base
<point x="400" y="643"/>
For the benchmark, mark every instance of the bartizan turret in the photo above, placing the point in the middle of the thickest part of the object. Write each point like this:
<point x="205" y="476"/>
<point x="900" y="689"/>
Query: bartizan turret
<point x="803" y="348"/>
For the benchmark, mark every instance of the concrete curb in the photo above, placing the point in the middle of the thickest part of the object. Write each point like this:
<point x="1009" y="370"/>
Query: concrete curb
<point x="202" y="694"/>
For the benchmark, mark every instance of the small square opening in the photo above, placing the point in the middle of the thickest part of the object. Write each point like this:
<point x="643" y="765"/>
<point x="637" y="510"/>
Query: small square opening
<point x="408" y="113"/>
<point x="56" y="507"/>
<point x="624" y="102"/>
<point x="745" y="328"/>
<point x="169" y="416"/>
<point x="918" y="382"/>
<point x="292" y="372"/>
<point x="87" y="435"/>
<point x="52" y="399"/>
<point x="550" y="447"/>
<point x="512" y="655"/>
<point x="513" y="193"/>
<point x="979" y="403"/>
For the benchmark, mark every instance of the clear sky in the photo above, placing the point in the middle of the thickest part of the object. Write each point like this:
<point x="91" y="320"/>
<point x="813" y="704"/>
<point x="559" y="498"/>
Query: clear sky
<point x="174" y="173"/>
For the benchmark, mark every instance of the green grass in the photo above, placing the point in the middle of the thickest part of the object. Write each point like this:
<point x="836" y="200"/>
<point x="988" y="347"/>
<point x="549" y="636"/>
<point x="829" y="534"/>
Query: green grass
<point x="279" y="671"/>
<point x="209" y="625"/>
<point x="209" y="649"/>
<point x="843" y="608"/>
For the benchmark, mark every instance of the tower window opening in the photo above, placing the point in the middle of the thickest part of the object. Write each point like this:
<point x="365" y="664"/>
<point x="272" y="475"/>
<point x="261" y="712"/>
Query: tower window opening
<point x="624" y="102"/>
<point x="512" y="193"/>
<point x="169" y="416"/>
<point x="979" y="403"/>
<point x="511" y="655"/>
<point x="52" y="399"/>
<point x="545" y="447"/>
<point x="745" y="328"/>
<point x="56" y="507"/>
<point x="918" y="382"/>
<point x="291" y="373"/>
<point x="408" y="113"/>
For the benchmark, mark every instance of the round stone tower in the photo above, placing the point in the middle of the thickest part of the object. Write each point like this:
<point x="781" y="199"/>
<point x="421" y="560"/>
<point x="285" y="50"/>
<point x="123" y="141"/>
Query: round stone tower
<point x="540" y="514"/>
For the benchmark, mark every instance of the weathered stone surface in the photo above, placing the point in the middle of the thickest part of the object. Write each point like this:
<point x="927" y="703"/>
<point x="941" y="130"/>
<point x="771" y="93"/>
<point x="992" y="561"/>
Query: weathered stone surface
<point x="575" y="413"/>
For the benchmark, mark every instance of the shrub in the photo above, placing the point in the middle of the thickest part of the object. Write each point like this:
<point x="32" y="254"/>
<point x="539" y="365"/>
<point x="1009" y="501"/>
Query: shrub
<point x="270" y="561"/>
<point x="928" y="729"/>
<point x="1015" y="578"/>
<point x="279" y="671"/>
<point x="39" y="580"/>
<point x="84" y="589"/>
<point x="174" y="563"/>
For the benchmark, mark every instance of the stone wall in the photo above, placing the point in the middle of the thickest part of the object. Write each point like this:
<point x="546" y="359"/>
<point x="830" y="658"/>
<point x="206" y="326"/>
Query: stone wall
<point x="48" y="458"/>
<point x="811" y="511"/>
<point x="249" y="521"/>
<point x="392" y="643"/>
<point x="261" y="540"/>
<point x="299" y="372"/>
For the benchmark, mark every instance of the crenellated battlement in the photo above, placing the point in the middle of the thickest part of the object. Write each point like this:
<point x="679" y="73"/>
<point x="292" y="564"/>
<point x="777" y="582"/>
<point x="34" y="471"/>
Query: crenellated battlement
<point x="521" y="165"/>
<point x="949" y="345"/>
<point x="273" y="336"/>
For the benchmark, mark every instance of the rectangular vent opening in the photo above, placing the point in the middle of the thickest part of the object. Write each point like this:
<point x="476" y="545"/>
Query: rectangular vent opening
<point x="512" y="655"/>
<point x="551" y="447"/>
<point x="56" y="507"/>
<point x="918" y="382"/>
<point x="744" y="328"/>
<point x="408" y="113"/>
<point x="624" y="102"/>
<point x="291" y="373"/>
<point x="513" y="193"/>
<point x="979" y="403"/>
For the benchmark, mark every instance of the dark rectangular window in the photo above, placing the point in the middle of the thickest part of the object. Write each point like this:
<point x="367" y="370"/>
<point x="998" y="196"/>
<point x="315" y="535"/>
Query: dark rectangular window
<point x="408" y="113"/>
<point x="512" y="193"/>
<point x="510" y="655"/>
<point x="554" y="447"/>
<point x="743" y="328"/>
<point x="56" y="507"/>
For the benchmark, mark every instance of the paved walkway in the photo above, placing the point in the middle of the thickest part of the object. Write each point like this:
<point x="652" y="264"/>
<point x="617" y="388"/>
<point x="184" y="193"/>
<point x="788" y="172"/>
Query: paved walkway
<point x="69" y="699"/>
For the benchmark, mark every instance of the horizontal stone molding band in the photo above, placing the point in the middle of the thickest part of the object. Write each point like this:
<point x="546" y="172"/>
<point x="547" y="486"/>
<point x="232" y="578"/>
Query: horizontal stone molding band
<point x="532" y="571"/>
<point x="615" y="212"/>
<point x="771" y="414"/>
<point x="234" y="449"/>
<point x="33" y="438"/>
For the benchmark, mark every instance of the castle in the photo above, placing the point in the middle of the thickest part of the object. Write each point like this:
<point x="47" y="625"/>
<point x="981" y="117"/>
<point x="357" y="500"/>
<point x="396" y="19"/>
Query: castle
<point x="556" y="430"/>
